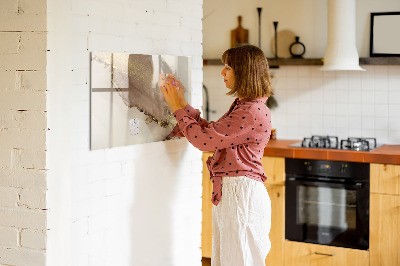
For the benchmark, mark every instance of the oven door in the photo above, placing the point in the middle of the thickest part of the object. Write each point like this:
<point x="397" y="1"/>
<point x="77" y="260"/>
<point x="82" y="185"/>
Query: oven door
<point x="327" y="213"/>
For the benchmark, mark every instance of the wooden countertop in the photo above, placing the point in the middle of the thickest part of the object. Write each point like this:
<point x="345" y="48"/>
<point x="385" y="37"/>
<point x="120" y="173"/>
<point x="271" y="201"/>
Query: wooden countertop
<point x="389" y="154"/>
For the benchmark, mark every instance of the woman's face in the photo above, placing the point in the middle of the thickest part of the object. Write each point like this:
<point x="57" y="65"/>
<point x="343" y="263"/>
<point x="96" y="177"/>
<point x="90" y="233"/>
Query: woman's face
<point x="229" y="76"/>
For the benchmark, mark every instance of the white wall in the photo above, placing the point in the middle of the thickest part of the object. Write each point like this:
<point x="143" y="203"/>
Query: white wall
<point x="306" y="19"/>
<point x="134" y="205"/>
<point x="311" y="102"/>
<point x="23" y="133"/>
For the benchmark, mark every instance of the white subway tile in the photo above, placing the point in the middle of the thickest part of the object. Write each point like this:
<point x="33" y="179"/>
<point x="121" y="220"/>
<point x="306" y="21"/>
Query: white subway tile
<point x="368" y="122"/>
<point x="381" y="97"/>
<point x="367" y="96"/>
<point x="394" y="97"/>
<point x="380" y="84"/>
<point x="394" y="137"/>
<point x="381" y="110"/>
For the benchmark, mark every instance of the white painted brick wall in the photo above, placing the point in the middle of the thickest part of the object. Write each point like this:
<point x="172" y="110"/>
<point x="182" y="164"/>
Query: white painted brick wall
<point x="23" y="132"/>
<point x="134" y="205"/>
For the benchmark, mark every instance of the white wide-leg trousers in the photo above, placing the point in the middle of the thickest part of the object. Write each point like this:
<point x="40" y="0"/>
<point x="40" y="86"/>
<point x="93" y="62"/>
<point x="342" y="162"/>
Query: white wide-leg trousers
<point x="241" y="223"/>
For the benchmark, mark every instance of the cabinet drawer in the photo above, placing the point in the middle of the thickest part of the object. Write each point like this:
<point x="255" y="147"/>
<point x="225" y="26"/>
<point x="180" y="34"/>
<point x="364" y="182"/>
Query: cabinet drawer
<point x="304" y="254"/>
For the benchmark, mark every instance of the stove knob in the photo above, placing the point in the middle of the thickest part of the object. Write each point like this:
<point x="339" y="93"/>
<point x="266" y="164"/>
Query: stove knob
<point x="343" y="168"/>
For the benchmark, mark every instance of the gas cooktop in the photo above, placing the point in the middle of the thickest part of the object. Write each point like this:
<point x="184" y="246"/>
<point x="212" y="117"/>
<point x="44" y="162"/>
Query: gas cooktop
<point x="332" y="142"/>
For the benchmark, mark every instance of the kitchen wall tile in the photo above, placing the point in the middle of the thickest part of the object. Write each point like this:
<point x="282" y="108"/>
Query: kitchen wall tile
<point x="329" y="109"/>
<point x="342" y="109"/>
<point x="380" y="84"/>
<point x="367" y="96"/>
<point x="303" y="82"/>
<point x="355" y="132"/>
<point x="292" y="82"/>
<point x="381" y="97"/>
<point x="342" y="96"/>
<point x="367" y="110"/>
<point x="367" y="133"/>
<point x="317" y="131"/>
<point x="329" y="122"/>
<point x="291" y="71"/>
<point x="329" y="93"/>
<point x="328" y="74"/>
<point x="355" y="109"/>
<point x="342" y="133"/>
<point x="367" y="82"/>
<point x="381" y="123"/>
<point x="394" y="97"/>
<point x="381" y="136"/>
<point x="315" y="72"/>
<point x="394" y="110"/>
<point x="304" y="72"/>
<point x="394" y="82"/>
<point x="394" y="137"/>
<point x="381" y="110"/>
<point x="316" y="82"/>
<point x="355" y="96"/>
<point x="342" y="122"/>
<point x="380" y="71"/>
<point x="320" y="99"/>
<point x="394" y="71"/>
<point x="368" y="122"/>
<point x="354" y="80"/>
<point x="342" y="80"/>
<point x="354" y="122"/>
<point x="394" y="123"/>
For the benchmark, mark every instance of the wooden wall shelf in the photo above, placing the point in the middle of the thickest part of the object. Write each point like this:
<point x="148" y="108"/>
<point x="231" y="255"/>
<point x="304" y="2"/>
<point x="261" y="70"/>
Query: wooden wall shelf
<point x="274" y="63"/>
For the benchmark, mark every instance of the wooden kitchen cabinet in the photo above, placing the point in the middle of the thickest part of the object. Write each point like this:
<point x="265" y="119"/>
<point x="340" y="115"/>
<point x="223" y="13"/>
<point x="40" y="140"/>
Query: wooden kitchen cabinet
<point x="206" y="226"/>
<point x="274" y="168"/>
<point x="305" y="254"/>
<point x="384" y="215"/>
<point x="385" y="178"/>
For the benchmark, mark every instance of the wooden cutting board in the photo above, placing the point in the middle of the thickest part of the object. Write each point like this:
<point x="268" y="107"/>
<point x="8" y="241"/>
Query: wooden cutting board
<point x="239" y="35"/>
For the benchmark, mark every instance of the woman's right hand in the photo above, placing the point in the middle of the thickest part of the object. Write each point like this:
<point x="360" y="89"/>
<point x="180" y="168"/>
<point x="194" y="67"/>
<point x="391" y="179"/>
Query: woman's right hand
<point x="181" y="91"/>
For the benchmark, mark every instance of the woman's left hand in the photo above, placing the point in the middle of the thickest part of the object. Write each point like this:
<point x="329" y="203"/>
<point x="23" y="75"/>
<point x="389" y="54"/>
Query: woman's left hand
<point x="171" y="94"/>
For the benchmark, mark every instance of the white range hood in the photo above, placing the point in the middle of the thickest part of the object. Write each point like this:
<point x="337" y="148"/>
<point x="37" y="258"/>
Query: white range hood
<point x="341" y="51"/>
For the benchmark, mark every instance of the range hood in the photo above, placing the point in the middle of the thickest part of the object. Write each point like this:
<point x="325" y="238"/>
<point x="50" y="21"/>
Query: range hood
<point x="341" y="51"/>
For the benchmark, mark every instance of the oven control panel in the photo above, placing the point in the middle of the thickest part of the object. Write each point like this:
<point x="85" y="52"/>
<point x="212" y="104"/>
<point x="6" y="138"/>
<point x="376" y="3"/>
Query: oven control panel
<point x="338" y="169"/>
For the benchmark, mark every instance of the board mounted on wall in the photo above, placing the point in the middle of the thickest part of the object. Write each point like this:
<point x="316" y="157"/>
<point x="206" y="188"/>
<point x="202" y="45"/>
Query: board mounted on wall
<point x="384" y="36"/>
<point x="127" y="105"/>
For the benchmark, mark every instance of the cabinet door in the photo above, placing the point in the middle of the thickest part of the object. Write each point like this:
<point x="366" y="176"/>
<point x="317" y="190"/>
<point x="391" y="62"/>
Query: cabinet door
<point x="385" y="178"/>
<point x="277" y="233"/>
<point x="206" y="232"/>
<point x="274" y="168"/>
<point x="304" y="254"/>
<point x="384" y="230"/>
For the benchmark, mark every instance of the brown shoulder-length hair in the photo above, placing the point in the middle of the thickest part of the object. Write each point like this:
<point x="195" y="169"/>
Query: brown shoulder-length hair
<point x="250" y="66"/>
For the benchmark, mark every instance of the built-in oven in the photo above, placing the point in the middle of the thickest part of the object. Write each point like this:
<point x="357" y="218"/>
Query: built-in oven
<point x="327" y="202"/>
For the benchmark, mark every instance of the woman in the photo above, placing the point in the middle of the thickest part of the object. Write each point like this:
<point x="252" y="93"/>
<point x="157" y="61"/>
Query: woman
<point x="242" y="208"/>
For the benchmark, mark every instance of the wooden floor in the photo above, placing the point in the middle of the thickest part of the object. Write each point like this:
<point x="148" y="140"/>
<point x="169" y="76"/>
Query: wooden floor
<point x="206" y="261"/>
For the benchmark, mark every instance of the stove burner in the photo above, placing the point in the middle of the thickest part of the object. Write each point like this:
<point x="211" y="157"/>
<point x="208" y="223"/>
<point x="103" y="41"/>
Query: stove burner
<point x="332" y="142"/>
<point x="358" y="144"/>
<point x="328" y="142"/>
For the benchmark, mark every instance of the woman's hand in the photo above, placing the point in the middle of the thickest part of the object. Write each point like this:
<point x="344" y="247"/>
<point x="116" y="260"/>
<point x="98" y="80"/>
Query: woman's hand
<point x="173" y="94"/>
<point x="181" y="92"/>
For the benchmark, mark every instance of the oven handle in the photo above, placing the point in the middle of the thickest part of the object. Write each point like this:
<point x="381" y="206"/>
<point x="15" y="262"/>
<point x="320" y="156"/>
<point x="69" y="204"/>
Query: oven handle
<point x="357" y="185"/>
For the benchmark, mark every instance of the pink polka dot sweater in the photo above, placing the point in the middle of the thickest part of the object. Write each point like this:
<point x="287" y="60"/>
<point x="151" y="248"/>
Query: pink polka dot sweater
<point x="238" y="139"/>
